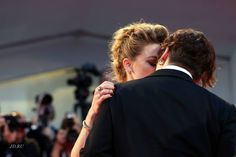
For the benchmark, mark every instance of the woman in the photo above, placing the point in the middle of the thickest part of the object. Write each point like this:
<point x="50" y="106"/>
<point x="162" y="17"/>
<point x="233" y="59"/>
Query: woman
<point x="133" y="56"/>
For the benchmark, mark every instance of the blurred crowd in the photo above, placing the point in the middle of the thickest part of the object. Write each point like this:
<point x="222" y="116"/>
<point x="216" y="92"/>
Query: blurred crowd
<point x="38" y="138"/>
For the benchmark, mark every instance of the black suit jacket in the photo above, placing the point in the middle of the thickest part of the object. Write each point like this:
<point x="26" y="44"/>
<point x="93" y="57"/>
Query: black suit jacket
<point x="163" y="115"/>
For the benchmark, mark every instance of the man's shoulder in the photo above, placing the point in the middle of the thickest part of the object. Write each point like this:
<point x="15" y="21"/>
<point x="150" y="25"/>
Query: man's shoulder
<point x="212" y="97"/>
<point x="126" y="86"/>
<point x="220" y="106"/>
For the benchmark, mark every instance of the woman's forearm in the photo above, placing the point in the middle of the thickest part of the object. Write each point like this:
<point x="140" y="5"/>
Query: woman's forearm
<point x="102" y="92"/>
<point x="81" y="140"/>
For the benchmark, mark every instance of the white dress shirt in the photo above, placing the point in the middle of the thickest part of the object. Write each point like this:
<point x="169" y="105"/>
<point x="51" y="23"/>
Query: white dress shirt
<point x="175" y="67"/>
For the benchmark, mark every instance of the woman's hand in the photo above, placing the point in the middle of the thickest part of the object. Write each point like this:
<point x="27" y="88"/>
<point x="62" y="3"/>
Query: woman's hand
<point x="102" y="92"/>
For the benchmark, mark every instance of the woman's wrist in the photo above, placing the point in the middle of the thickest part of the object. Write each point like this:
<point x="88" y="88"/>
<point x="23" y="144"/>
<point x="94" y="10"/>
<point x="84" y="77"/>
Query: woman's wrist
<point x="90" y="117"/>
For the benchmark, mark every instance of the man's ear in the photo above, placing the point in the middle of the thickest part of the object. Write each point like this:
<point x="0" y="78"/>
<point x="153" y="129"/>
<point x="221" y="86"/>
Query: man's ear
<point x="164" y="57"/>
<point x="127" y="65"/>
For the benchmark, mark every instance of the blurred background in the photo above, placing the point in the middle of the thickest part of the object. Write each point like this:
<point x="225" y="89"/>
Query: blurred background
<point x="42" y="41"/>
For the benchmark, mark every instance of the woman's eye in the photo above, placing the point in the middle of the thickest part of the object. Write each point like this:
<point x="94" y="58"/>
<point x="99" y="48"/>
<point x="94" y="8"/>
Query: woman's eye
<point x="152" y="61"/>
<point x="153" y="64"/>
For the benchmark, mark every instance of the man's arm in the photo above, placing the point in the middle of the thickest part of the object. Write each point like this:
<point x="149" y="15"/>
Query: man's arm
<point x="99" y="142"/>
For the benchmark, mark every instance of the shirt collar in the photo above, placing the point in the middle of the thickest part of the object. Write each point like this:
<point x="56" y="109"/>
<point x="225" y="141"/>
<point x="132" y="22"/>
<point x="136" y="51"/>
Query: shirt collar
<point x="175" y="67"/>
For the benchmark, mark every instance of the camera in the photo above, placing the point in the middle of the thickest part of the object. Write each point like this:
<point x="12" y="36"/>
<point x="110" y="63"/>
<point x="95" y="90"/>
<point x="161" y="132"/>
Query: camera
<point x="83" y="76"/>
<point x="83" y="81"/>
<point x="14" y="123"/>
<point x="71" y="136"/>
<point x="69" y="123"/>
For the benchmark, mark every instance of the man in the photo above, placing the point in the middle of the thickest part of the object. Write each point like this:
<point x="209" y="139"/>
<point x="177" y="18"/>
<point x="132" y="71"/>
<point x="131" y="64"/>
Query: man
<point x="168" y="114"/>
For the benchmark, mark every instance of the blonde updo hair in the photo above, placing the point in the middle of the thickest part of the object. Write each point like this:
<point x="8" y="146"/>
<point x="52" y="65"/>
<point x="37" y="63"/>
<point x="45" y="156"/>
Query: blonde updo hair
<point x="129" y="41"/>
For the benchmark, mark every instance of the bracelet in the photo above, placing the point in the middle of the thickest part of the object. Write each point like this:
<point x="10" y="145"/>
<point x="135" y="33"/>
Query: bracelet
<point x="85" y="125"/>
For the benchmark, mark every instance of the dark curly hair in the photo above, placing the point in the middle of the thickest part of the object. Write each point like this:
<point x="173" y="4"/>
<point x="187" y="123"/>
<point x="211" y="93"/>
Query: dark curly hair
<point x="191" y="49"/>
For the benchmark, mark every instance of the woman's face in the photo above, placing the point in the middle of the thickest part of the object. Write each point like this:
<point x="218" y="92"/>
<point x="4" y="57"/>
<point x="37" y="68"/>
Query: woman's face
<point x="145" y="63"/>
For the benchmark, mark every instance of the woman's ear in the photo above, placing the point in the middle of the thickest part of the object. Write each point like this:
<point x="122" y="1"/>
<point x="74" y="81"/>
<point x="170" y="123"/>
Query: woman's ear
<point x="127" y="64"/>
